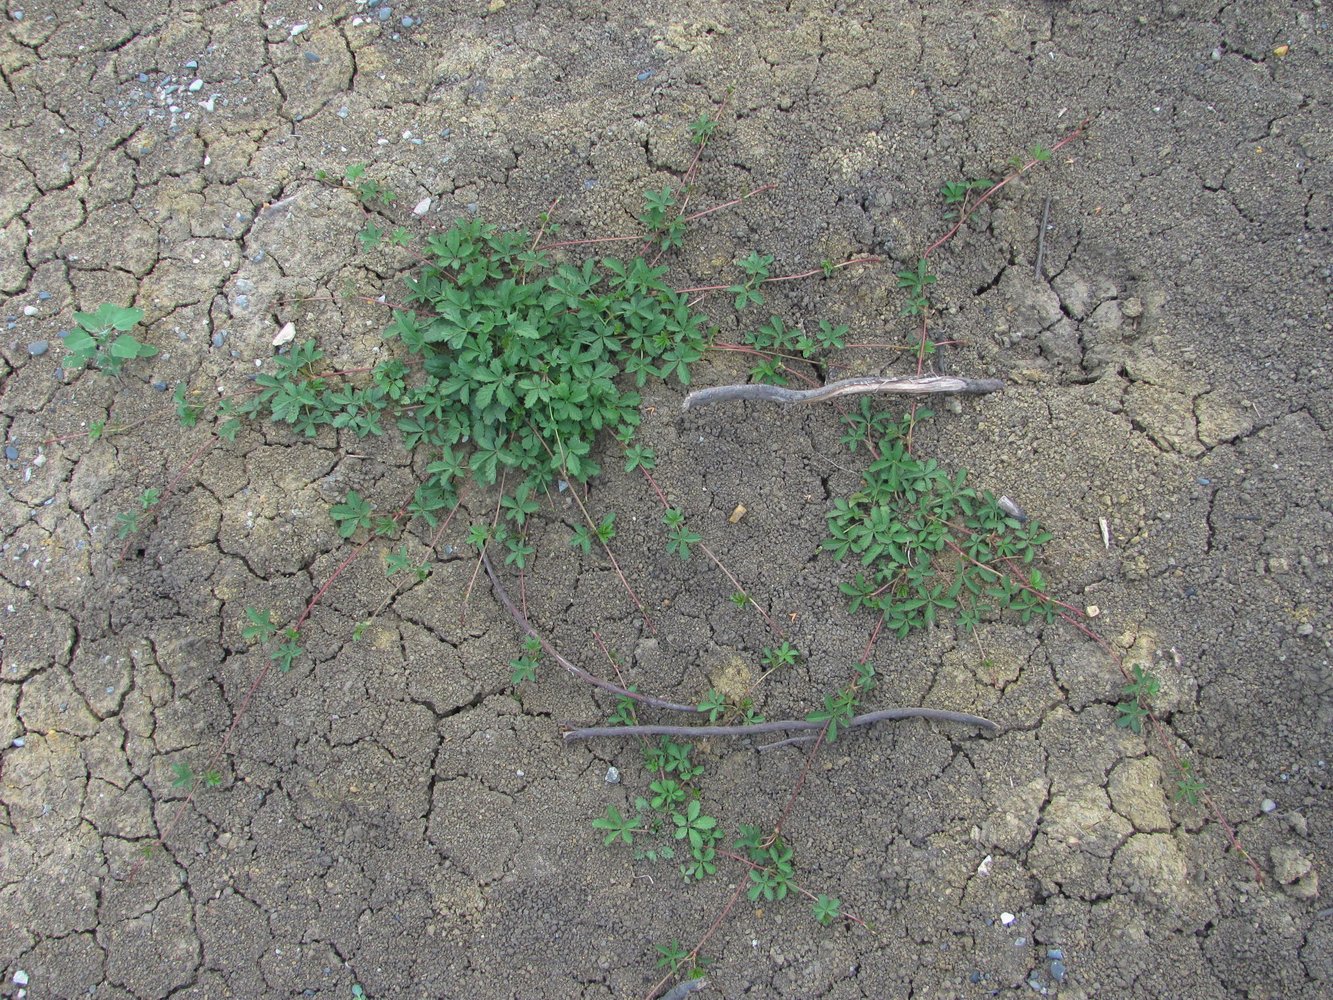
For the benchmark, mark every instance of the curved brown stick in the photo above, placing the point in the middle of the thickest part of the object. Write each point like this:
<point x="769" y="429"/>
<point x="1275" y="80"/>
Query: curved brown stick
<point x="786" y="726"/>
<point x="912" y="386"/>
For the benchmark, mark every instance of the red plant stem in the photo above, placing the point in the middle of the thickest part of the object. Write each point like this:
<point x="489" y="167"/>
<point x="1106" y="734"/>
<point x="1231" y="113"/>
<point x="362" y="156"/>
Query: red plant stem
<point x="753" y="866"/>
<point x="1159" y="728"/>
<point x="694" y="952"/>
<point x="198" y="454"/>
<point x="785" y="277"/>
<point x="590" y="242"/>
<point x="966" y="211"/>
<point x="666" y="505"/>
<point x="731" y="204"/>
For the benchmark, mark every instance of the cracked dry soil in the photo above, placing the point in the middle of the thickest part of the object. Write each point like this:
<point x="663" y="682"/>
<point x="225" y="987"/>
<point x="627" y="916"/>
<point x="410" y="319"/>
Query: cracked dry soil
<point x="391" y="814"/>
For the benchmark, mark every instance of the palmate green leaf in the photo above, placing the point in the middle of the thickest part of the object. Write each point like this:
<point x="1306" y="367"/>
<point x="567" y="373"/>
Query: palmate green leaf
<point x="352" y="513"/>
<point x="109" y="317"/>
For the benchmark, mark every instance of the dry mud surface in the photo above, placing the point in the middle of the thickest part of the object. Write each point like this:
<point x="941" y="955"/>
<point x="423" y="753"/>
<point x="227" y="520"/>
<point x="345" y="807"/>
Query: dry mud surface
<point x="391" y="812"/>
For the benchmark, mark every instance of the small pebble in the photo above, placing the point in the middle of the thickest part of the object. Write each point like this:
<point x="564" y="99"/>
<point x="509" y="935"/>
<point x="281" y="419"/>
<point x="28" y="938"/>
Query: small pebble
<point x="19" y="741"/>
<point x="11" y="452"/>
<point x="1054" y="953"/>
<point x="1020" y="942"/>
<point x="192" y="64"/>
<point x="1058" y="971"/>
<point x="218" y="338"/>
<point x="196" y="86"/>
<point x="43" y="296"/>
<point x="422" y="207"/>
<point x="160" y="386"/>
<point x="1268" y="805"/>
<point x="407" y="22"/>
<point x="20" y="978"/>
<point x="29" y="310"/>
<point x="312" y="57"/>
<point x="612" y="776"/>
<point x="974" y="978"/>
<point x="386" y="13"/>
<point x="38" y="347"/>
<point x="644" y="75"/>
<point x="1205" y="481"/>
<point x="143" y="77"/>
<point x="18" y="16"/>
<point x="343" y="112"/>
<point x="39" y="461"/>
<point x="297" y="29"/>
<point x="1006" y="919"/>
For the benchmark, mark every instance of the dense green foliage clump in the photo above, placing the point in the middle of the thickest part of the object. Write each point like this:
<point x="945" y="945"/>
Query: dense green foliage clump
<point x="519" y="360"/>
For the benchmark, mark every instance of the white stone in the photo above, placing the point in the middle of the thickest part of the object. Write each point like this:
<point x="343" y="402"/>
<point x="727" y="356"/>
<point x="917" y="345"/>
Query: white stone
<point x="285" y="335"/>
<point x="423" y="206"/>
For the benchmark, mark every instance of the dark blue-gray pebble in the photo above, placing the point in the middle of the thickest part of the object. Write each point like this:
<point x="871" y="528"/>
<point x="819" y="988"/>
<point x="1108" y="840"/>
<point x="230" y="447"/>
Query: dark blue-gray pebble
<point x="1058" y="971"/>
<point x="38" y="347"/>
<point x="1054" y="953"/>
<point x="11" y="452"/>
<point x="160" y="386"/>
<point x="386" y="13"/>
<point x="407" y="22"/>
<point x="312" y="57"/>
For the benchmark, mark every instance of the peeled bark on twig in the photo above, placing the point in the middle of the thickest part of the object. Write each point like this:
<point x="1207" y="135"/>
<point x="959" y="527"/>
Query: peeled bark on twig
<point x="922" y="385"/>
<point x="787" y="726"/>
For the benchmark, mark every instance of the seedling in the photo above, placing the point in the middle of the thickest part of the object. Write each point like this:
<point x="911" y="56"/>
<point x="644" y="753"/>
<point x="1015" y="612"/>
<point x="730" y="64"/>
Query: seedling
<point x="617" y="826"/>
<point x="784" y="655"/>
<point x="915" y="283"/>
<point x="680" y="539"/>
<point x="351" y="514"/>
<point x="127" y="523"/>
<point x="1139" y="692"/>
<point x="756" y="268"/>
<point x="827" y="909"/>
<point x="1188" y="786"/>
<point x="101" y="339"/>
<point x="583" y="538"/>
<point x="702" y="129"/>
<point x="184" y="776"/>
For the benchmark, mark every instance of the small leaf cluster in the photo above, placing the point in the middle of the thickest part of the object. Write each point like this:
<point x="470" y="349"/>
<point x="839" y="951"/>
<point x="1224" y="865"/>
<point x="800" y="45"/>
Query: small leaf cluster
<point x="677" y="959"/>
<point x="183" y="776"/>
<point x="102" y="339"/>
<point x="128" y="522"/>
<point x="371" y="192"/>
<point x="1138" y="693"/>
<point x="680" y="539"/>
<point x="779" y="342"/>
<point x="717" y="706"/>
<point x="916" y="282"/>
<point x="524" y="668"/>
<point x="602" y="533"/>
<point x="957" y="193"/>
<point x="262" y="630"/>
<point x="839" y="708"/>
<point x="672" y="809"/>
<point x="755" y="266"/>
<point x="927" y="545"/>
<point x="774" y="872"/>
<point x="658" y="218"/>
